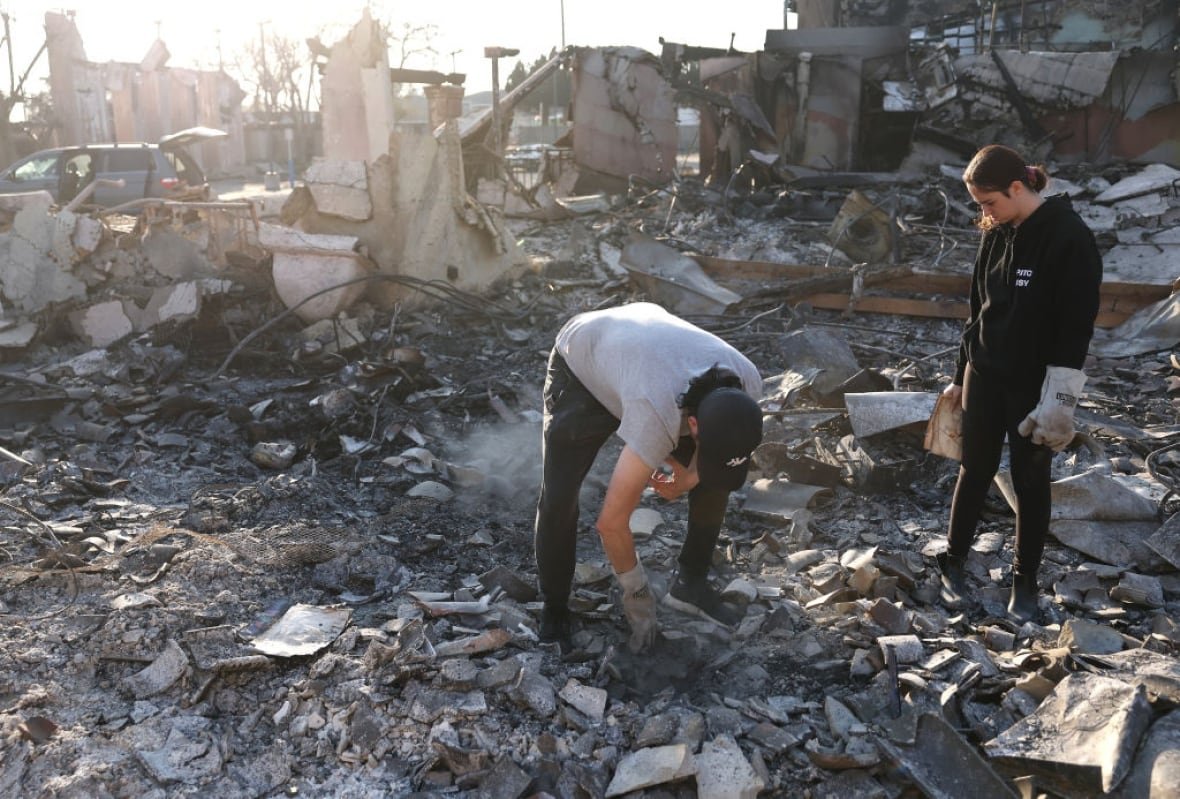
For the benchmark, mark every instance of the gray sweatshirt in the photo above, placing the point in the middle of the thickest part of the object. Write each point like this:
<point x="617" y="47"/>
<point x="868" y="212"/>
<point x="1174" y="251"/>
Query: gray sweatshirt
<point x="637" y="360"/>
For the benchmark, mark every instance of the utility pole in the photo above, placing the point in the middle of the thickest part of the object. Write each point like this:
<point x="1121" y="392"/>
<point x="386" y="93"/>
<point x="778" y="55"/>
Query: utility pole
<point x="496" y="53"/>
<point x="272" y="177"/>
<point x="11" y="68"/>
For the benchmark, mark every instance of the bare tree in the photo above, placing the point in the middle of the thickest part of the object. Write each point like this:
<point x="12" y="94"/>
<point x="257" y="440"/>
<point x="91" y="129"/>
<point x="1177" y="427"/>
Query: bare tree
<point x="277" y="68"/>
<point x="410" y="41"/>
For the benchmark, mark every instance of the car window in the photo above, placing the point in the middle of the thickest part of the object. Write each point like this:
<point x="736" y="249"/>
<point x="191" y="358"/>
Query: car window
<point x="36" y="168"/>
<point x="79" y="172"/>
<point x="128" y="160"/>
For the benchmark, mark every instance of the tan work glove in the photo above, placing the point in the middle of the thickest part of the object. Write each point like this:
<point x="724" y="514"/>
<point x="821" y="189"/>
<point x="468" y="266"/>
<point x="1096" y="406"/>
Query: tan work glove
<point x="639" y="606"/>
<point x="1051" y="422"/>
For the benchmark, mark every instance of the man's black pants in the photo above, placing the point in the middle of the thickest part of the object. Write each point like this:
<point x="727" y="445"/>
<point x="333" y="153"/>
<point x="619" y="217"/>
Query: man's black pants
<point x="575" y="427"/>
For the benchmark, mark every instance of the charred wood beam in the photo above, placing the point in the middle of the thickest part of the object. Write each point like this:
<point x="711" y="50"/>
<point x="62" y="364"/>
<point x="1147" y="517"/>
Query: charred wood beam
<point x="843" y="281"/>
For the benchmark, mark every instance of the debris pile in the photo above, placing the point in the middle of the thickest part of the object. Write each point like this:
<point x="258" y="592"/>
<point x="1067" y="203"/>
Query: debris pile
<point x="249" y="551"/>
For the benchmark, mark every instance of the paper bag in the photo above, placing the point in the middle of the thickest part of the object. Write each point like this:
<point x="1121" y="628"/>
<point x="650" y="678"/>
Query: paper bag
<point x="944" y="431"/>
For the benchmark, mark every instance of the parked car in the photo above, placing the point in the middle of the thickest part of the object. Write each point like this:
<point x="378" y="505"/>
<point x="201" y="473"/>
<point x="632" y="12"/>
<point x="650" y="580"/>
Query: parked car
<point x="165" y="169"/>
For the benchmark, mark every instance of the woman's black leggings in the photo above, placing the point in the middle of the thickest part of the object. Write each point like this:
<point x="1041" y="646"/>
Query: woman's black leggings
<point x="993" y="409"/>
<point x="575" y="427"/>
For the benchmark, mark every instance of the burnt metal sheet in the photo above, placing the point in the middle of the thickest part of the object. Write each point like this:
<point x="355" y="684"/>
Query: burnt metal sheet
<point x="673" y="279"/>
<point x="1157" y="767"/>
<point x="877" y="411"/>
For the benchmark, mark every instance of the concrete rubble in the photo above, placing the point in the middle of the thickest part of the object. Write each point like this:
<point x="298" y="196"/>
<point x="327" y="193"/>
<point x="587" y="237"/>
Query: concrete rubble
<point x="268" y="485"/>
<point x="329" y="573"/>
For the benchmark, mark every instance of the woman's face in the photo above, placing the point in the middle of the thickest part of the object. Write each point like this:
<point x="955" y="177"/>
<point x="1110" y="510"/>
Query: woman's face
<point x="997" y="206"/>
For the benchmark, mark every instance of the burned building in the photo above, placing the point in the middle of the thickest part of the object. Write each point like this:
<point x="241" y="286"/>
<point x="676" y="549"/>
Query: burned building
<point x="144" y="101"/>
<point x="858" y="84"/>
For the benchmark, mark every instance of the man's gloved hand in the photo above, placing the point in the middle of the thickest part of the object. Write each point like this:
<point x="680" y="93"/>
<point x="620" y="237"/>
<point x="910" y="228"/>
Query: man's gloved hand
<point x="639" y="606"/>
<point x="1051" y="422"/>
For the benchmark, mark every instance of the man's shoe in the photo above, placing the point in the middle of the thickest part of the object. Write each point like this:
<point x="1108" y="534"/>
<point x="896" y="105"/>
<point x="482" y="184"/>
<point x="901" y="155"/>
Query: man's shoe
<point x="694" y="595"/>
<point x="953" y="589"/>
<point x="1022" y="605"/>
<point x="556" y="624"/>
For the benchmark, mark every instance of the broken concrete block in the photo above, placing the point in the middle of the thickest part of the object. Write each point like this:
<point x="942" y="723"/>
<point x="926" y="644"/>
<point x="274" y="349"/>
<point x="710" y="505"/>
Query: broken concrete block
<point x="772" y="737"/>
<point x="657" y="730"/>
<point x="535" y="692"/>
<point x="907" y="648"/>
<point x="340" y="188"/>
<point x="87" y="234"/>
<point x="103" y="324"/>
<point x="307" y="263"/>
<point x="863" y="578"/>
<point x="29" y="274"/>
<point x="724" y="773"/>
<point x="1139" y="589"/>
<point x="13" y="203"/>
<point x="160" y="675"/>
<point x="177" y="302"/>
<point x="742" y="590"/>
<point x="189" y="754"/>
<point x="1082" y="737"/>
<point x="1156" y="770"/>
<point x="176" y="256"/>
<point x="1153" y="178"/>
<point x="1166" y="541"/>
<point x="18" y="336"/>
<point x="1090" y="638"/>
<point x="652" y="766"/>
<point x="895" y="619"/>
<point x="977" y="653"/>
<point x="505" y="779"/>
<point x="840" y="719"/>
<point x="589" y="701"/>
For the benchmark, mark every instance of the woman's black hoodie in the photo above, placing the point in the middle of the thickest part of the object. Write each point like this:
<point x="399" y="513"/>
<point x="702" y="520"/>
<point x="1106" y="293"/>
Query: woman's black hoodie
<point x="1034" y="296"/>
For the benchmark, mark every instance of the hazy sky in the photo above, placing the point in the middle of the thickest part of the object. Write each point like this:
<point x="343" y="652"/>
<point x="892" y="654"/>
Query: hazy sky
<point x="123" y="30"/>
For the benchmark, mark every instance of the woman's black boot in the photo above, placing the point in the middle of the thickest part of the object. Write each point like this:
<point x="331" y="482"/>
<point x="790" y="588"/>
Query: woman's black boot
<point x="1022" y="607"/>
<point x="954" y="579"/>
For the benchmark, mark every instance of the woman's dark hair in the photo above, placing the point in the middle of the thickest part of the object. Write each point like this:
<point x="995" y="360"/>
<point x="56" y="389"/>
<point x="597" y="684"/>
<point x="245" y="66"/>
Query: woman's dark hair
<point x="713" y="378"/>
<point x="995" y="167"/>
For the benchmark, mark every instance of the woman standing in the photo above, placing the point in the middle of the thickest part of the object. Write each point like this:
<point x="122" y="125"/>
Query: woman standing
<point x="1034" y="297"/>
